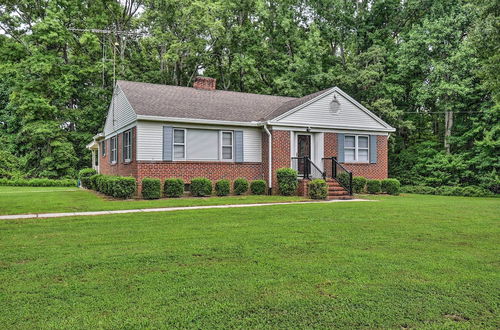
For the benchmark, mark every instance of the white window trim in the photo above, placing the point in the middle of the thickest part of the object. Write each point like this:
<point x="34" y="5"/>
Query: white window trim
<point x="103" y="148"/>
<point x="179" y="144"/>
<point x="127" y="144"/>
<point x="356" y="149"/>
<point x="113" y="149"/>
<point x="222" y="145"/>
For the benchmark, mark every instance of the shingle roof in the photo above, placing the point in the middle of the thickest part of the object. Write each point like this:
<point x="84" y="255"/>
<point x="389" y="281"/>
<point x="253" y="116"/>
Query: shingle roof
<point x="186" y="102"/>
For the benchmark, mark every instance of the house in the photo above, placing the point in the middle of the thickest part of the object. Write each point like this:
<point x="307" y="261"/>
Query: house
<point x="165" y="131"/>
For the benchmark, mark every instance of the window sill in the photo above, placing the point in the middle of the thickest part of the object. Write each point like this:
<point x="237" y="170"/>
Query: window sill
<point x="356" y="163"/>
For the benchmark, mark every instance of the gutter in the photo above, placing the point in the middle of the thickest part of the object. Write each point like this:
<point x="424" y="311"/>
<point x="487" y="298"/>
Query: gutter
<point x="269" y="158"/>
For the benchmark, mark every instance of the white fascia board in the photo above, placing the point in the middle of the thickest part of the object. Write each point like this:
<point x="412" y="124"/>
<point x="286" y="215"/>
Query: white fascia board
<point x="285" y="125"/>
<point x="344" y="94"/>
<point x="200" y="121"/>
<point x="122" y="129"/>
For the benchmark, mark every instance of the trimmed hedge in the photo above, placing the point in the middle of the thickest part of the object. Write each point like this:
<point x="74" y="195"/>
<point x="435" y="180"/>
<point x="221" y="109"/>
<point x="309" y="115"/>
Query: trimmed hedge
<point x="359" y="184"/>
<point x="93" y="181"/>
<point x="258" y="187"/>
<point x="468" y="191"/>
<point x="84" y="176"/>
<point x="391" y="186"/>
<point x="38" y="182"/>
<point x="116" y="186"/>
<point x="318" y="189"/>
<point x="151" y="188"/>
<point x="240" y="186"/>
<point x="201" y="187"/>
<point x="173" y="187"/>
<point x="287" y="181"/>
<point x="373" y="186"/>
<point x="222" y="187"/>
<point x="344" y="178"/>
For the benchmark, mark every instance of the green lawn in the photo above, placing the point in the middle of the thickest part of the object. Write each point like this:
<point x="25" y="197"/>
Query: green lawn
<point x="409" y="261"/>
<point x="19" y="200"/>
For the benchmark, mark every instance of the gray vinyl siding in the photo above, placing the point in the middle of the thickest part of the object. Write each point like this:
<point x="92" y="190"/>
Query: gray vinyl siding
<point x="123" y="113"/>
<point x="150" y="139"/>
<point x="318" y="113"/>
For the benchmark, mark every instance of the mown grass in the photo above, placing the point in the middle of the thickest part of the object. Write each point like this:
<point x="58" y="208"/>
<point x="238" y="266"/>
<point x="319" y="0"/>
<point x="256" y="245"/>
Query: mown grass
<point x="404" y="262"/>
<point x="20" y="200"/>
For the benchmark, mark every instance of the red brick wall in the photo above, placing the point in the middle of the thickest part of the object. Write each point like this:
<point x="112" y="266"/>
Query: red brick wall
<point x="281" y="153"/>
<point x="188" y="170"/>
<point x="370" y="171"/>
<point x="120" y="168"/>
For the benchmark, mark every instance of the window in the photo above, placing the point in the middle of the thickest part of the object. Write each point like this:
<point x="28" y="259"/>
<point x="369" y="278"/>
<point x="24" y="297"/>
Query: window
<point x="127" y="146"/>
<point x="113" y="149"/>
<point x="103" y="148"/>
<point x="179" y="144"/>
<point x="227" y="145"/>
<point x="356" y="149"/>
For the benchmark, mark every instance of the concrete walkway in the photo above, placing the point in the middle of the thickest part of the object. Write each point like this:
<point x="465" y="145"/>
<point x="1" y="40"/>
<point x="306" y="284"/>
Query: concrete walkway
<point x="163" y="209"/>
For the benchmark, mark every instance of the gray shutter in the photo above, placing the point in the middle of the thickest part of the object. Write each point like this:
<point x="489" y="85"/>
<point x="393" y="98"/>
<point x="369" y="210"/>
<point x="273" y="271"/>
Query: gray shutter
<point x="109" y="153"/>
<point x="238" y="146"/>
<point x="168" y="135"/>
<point x="340" y="143"/>
<point x="373" y="149"/>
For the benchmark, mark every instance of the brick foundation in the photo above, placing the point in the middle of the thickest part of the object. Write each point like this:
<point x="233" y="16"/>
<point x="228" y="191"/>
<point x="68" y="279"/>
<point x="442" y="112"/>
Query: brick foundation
<point x="120" y="168"/>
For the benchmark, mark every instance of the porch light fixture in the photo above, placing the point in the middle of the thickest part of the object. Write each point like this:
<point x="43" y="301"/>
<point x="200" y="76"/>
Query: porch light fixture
<point x="335" y="105"/>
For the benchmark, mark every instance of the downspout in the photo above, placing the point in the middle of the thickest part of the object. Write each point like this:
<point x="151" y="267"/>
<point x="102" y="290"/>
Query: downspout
<point x="269" y="159"/>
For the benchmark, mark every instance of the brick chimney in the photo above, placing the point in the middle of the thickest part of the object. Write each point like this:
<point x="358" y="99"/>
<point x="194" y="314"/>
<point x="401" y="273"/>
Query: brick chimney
<point x="204" y="83"/>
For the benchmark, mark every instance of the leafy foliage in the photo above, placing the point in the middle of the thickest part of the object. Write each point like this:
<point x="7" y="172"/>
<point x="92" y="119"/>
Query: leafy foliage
<point x="201" y="187"/>
<point x="258" y="187"/>
<point x="222" y="187"/>
<point x="390" y="186"/>
<point x="358" y="184"/>
<point x="151" y="188"/>
<point x="287" y="181"/>
<point x="240" y="186"/>
<point x="38" y="182"/>
<point x="373" y="186"/>
<point x="428" y="68"/>
<point x="318" y="189"/>
<point x="173" y="187"/>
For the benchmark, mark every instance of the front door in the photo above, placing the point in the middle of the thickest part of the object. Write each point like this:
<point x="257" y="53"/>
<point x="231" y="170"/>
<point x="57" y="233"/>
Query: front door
<point x="303" y="150"/>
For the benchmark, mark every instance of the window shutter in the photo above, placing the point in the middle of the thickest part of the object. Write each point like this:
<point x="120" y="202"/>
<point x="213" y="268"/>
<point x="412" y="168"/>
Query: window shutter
<point x="109" y="154"/>
<point x="340" y="143"/>
<point x="238" y="146"/>
<point x="373" y="149"/>
<point x="123" y="147"/>
<point x="167" y="142"/>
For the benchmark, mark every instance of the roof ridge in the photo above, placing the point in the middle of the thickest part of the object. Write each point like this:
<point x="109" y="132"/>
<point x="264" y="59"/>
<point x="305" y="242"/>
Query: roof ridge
<point x="290" y="98"/>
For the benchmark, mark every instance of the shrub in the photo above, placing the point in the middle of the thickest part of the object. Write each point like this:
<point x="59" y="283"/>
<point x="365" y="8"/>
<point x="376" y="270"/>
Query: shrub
<point x="93" y="181"/>
<point x="258" y="187"/>
<point x="123" y="187"/>
<point x="38" y="182"/>
<point x="344" y="178"/>
<point x="373" y="186"/>
<point x="287" y="181"/>
<point x="222" y="187"/>
<point x="173" y="187"/>
<point x="84" y="176"/>
<point x="151" y="188"/>
<point x="359" y="184"/>
<point x="240" y="186"/>
<point x="318" y="189"/>
<point x="391" y="186"/>
<point x="201" y="187"/>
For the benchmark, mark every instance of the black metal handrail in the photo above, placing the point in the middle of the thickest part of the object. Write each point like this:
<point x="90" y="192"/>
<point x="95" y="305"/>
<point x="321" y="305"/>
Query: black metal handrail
<point x="306" y="168"/>
<point x="338" y="172"/>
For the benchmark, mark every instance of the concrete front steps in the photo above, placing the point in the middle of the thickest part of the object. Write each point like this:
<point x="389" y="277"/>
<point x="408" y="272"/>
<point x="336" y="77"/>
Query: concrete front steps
<point x="336" y="191"/>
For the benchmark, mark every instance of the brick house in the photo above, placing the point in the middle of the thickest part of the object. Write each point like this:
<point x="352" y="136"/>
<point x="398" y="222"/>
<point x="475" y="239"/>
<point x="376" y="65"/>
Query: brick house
<point x="171" y="131"/>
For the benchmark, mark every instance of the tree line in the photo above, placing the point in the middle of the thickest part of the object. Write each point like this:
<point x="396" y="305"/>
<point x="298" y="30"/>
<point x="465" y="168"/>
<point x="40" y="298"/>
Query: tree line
<point x="430" y="68"/>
